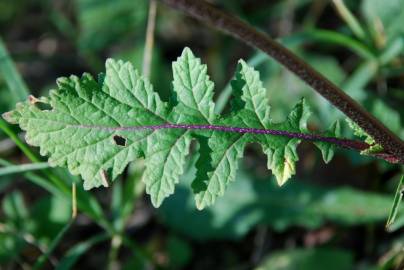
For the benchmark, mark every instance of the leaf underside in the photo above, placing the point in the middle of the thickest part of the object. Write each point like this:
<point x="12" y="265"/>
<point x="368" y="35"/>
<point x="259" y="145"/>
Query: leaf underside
<point x="87" y="119"/>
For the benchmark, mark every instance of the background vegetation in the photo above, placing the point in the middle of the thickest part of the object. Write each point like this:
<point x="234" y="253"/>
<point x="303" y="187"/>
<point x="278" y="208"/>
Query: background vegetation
<point x="328" y="216"/>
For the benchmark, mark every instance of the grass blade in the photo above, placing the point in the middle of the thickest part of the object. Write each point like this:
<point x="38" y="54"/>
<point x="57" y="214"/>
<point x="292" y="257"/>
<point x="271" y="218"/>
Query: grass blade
<point x="11" y="169"/>
<point x="396" y="203"/>
<point x="14" y="137"/>
<point x="332" y="37"/>
<point x="350" y="19"/>
<point x="38" y="180"/>
<point x="8" y="70"/>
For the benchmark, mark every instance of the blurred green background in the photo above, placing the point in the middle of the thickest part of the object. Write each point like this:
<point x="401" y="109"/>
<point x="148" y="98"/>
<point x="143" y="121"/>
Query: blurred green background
<point x="327" y="217"/>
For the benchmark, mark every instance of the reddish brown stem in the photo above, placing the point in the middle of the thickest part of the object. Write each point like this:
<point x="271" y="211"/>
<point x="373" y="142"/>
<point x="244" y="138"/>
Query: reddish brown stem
<point x="231" y="25"/>
<point x="341" y="142"/>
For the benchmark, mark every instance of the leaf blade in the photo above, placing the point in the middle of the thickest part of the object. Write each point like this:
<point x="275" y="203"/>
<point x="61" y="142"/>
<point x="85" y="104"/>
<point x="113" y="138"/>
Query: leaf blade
<point x="193" y="87"/>
<point x="96" y="128"/>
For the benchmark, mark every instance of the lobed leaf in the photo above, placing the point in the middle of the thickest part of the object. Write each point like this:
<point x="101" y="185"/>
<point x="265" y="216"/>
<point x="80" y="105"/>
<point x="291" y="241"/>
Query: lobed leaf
<point x="95" y="128"/>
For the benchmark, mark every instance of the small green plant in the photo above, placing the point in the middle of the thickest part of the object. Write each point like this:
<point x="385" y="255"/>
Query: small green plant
<point x="199" y="141"/>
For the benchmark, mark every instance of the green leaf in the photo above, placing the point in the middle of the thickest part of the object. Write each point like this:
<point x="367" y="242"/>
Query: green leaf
<point x="396" y="203"/>
<point x="228" y="149"/>
<point x="358" y="131"/>
<point x="164" y="160"/>
<point x="164" y="163"/>
<point x="96" y="128"/>
<point x="281" y="151"/>
<point x="193" y="89"/>
<point x="327" y="150"/>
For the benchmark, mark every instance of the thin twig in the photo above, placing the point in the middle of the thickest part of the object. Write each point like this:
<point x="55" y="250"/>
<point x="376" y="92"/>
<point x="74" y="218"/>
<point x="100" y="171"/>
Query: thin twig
<point x="149" y="43"/>
<point x="246" y="33"/>
<point x="74" y="201"/>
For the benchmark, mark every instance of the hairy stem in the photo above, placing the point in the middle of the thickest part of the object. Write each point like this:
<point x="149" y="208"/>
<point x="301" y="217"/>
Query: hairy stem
<point x="246" y="33"/>
<point x="341" y="142"/>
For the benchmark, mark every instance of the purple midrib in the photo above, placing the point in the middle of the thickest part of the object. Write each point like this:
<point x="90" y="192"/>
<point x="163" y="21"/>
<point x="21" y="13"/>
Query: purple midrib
<point x="351" y="144"/>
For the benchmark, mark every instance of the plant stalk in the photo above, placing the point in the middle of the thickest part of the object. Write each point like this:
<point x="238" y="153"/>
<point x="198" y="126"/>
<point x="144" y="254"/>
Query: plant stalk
<point x="341" y="142"/>
<point x="149" y="43"/>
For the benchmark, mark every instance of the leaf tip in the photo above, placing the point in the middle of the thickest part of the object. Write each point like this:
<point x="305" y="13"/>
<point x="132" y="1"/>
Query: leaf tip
<point x="287" y="171"/>
<point x="200" y="206"/>
<point x="32" y="100"/>
<point x="61" y="81"/>
<point x="11" y="117"/>
<point x="187" y="51"/>
<point x="155" y="199"/>
<point x="6" y="116"/>
<point x="242" y="63"/>
<point x="282" y="180"/>
<point x="156" y="204"/>
<point x="300" y="115"/>
<point x="109" y="62"/>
